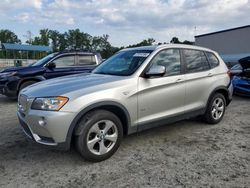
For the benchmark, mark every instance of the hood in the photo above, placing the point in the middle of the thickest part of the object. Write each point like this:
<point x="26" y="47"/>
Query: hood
<point x="245" y="62"/>
<point x="23" y="70"/>
<point x="68" y="84"/>
<point x="12" y="69"/>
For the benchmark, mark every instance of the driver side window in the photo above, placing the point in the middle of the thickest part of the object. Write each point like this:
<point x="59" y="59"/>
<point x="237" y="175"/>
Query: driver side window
<point x="170" y="59"/>
<point x="65" y="61"/>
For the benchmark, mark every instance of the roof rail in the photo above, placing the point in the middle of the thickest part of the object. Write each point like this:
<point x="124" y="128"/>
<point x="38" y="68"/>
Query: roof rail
<point x="77" y="50"/>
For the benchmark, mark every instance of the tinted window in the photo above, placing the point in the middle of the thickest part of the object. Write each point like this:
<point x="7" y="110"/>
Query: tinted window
<point x="65" y="61"/>
<point x="170" y="59"/>
<point x="195" y="61"/>
<point x="86" y="60"/>
<point x="213" y="61"/>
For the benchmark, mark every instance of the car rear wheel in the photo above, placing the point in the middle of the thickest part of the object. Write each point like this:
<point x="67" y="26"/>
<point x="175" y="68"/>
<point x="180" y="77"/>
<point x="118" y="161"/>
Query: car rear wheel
<point x="99" y="135"/>
<point x="215" y="109"/>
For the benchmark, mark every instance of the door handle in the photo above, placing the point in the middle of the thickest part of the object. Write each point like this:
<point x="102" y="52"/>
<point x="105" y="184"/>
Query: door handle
<point x="179" y="80"/>
<point x="210" y="74"/>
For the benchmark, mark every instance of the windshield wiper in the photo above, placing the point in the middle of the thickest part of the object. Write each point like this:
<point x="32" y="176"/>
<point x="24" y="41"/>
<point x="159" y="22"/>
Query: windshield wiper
<point x="108" y="73"/>
<point x="101" y="73"/>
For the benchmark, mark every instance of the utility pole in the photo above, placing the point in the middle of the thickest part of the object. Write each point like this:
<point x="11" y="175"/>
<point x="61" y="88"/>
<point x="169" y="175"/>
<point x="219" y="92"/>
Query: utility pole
<point x="29" y="36"/>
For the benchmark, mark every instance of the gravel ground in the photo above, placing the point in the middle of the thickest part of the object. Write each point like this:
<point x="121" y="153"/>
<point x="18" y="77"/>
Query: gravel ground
<point x="189" y="153"/>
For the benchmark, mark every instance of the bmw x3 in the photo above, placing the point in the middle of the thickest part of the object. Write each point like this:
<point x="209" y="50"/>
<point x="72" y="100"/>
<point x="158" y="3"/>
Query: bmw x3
<point x="135" y="89"/>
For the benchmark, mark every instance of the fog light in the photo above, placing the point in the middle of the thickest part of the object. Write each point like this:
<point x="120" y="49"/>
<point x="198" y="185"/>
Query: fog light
<point x="42" y="122"/>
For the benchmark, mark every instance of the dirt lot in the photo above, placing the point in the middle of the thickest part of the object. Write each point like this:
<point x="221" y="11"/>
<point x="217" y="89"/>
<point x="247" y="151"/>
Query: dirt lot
<point x="185" y="154"/>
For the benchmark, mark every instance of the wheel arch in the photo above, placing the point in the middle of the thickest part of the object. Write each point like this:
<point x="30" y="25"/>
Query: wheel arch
<point x="118" y="109"/>
<point x="27" y="79"/>
<point x="224" y="91"/>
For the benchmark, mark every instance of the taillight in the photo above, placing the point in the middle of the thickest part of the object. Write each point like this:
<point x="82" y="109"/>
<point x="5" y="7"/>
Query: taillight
<point x="229" y="73"/>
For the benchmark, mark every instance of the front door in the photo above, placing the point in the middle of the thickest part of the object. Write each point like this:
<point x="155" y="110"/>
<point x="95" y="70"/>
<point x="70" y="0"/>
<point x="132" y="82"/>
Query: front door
<point x="64" y="65"/>
<point x="162" y="97"/>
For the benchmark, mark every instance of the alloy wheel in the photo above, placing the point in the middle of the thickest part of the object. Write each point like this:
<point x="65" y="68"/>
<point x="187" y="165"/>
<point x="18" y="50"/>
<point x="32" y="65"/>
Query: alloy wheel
<point x="217" y="108"/>
<point x="102" y="137"/>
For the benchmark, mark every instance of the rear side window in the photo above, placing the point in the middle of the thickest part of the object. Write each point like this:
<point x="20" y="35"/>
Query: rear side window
<point x="86" y="60"/>
<point x="213" y="60"/>
<point x="196" y="61"/>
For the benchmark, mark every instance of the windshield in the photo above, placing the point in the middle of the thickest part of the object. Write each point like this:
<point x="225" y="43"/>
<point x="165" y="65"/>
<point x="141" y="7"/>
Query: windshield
<point x="123" y="63"/>
<point x="43" y="60"/>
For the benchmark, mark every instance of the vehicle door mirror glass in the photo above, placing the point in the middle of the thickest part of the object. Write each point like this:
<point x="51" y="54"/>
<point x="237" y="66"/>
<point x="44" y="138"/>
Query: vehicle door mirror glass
<point x="51" y="65"/>
<point x="156" y="71"/>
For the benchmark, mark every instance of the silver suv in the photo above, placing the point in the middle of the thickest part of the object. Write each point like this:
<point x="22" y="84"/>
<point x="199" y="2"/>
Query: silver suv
<point x="135" y="89"/>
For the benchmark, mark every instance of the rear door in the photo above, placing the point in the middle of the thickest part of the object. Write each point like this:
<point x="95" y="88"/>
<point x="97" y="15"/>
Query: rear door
<point x="162" y="97"/>
<point x="85" y="63"/>
<point x="65" y="65"/>
<point x="199" y="79"/>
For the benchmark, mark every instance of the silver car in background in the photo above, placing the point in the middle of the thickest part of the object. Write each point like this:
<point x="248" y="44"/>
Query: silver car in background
<point x="135" y="89"/>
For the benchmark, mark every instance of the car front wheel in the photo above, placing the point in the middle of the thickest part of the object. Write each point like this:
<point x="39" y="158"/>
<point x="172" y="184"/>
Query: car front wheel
<point x="99" y="135"/>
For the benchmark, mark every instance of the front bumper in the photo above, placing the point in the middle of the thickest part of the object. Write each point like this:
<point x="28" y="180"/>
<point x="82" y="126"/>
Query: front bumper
<point x="53" y="132"/>
<point x="8" y="86"/>
<point x="4" y="90"/>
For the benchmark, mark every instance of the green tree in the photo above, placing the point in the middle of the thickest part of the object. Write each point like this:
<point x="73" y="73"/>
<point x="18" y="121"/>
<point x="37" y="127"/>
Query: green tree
<point x="175" y="40"/>
<point x="102" y="45"/>
<point x="44" y="37"/>
<point x="188" y="42"/>
<point x="145" y="42"/>
<point x="54" y="35"/>
<point x="7" y="36"/>
<point x="78" y="40"/>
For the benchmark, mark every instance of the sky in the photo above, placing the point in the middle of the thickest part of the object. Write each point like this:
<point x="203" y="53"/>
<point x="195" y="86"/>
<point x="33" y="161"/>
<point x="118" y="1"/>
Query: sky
<point x="125" y="21"/>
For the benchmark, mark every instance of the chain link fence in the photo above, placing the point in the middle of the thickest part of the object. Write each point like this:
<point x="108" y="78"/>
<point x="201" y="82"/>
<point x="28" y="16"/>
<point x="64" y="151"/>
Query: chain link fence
<point x="15" y="62"/>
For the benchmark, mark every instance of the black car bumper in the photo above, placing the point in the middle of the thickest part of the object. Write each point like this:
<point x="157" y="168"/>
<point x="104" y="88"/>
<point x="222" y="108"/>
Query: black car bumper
<point x="8" y="86"/>
<point x="4" y="90"/>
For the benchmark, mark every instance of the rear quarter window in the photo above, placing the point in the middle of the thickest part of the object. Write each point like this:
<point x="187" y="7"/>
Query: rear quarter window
<point x="196" y="60"/>
<point x="213" y="60"/>
<point x="86" y="60"/>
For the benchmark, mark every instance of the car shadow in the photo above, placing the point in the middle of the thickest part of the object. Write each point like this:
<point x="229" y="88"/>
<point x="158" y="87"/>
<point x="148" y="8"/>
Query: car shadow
<point x="20" y="148"/>
<point x="6" y="100"/>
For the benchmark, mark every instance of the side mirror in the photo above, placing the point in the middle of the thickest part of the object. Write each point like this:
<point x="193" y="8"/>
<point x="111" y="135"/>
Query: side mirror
<point x="156" y="71"/>
<point x="51" y="65"/>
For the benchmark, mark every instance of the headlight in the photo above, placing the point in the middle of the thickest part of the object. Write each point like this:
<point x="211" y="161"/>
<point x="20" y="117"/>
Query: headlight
<point x="50" y="103"/>
<point x="6" y="74"/>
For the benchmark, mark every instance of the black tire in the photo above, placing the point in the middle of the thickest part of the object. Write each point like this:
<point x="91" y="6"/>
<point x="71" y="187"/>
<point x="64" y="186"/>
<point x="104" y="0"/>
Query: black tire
<point x="209" y="116"/>
<point x="97" y="118"/>
<point x="26" y="84"/>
